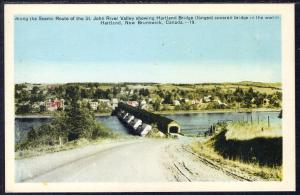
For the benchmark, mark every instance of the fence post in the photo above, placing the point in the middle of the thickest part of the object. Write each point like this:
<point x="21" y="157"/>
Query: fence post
<point x="251" y="119"/>
<point x="258" y="119"/>
<point x="60" y="141"/>
<point x="268" y="121"/>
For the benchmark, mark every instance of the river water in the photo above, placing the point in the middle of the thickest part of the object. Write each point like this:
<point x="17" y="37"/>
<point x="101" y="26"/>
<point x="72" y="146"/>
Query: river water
<point x="191" y="124"/>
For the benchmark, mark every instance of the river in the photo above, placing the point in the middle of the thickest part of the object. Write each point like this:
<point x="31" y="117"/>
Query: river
<point x="191" y="123"/>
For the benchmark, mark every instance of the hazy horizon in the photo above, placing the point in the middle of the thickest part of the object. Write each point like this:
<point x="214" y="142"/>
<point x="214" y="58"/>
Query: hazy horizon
<point x="44" y="83"/>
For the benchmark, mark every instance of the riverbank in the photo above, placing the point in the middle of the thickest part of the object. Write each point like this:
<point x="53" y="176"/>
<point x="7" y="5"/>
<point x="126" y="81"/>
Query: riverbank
<point x="167" y="112"/>
<point x="218" y="111"/>
<point x="34" y="116"/>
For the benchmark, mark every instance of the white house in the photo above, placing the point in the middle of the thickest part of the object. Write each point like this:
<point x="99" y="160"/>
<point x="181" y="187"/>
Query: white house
<point x="266" y="102"/>
<point x="143" y="102"/>
<point x="221" y="103"/>
<point x="176" y="103"/>
<point x="207" y="98"/>
<point x="94" y="105"/>
<point x="114" y="103"/>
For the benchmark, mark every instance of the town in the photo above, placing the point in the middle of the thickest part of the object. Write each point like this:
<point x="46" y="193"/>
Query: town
<point x="104" y="97"/>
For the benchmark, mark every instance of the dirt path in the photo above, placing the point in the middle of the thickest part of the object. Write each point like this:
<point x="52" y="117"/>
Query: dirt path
<point x="138" y="160"/>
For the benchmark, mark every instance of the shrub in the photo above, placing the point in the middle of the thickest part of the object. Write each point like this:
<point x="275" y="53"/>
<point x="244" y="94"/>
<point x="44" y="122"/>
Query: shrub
<point x="101" y="131"/>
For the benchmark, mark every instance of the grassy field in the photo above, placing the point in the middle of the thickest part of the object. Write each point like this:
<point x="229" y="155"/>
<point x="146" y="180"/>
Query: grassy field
<point x="246" y="148"/>
<point x="267" y="88"/>
<point x="246" y="130"/>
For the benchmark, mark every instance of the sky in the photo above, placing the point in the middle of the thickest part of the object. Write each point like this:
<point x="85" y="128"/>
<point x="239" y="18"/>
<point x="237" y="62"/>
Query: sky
<point x="209" y="51"/>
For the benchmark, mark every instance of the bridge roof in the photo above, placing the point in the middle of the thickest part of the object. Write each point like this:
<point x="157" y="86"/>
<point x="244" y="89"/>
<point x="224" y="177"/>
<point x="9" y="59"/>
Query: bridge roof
<point x="143" y="114"/>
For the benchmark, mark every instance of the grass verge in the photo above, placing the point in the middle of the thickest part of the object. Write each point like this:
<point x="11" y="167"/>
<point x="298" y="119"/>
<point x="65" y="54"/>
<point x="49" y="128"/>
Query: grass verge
<point x="259" y="158"/>
<point x="44" y="149"/>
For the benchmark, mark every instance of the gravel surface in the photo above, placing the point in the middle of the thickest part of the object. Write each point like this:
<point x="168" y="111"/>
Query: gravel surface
<point x="133" y="160"/>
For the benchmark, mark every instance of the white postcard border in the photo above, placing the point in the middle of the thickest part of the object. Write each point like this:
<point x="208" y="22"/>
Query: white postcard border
<point x="288" y="83"/>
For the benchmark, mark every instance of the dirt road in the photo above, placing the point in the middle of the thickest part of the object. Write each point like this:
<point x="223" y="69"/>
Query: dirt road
<point x="137" y="160"/>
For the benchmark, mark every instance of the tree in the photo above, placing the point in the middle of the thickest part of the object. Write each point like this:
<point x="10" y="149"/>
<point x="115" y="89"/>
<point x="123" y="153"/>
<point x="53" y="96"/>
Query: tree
<point x="183" y="93"/>
<point x="161" y="94"/>
<point x="34" y="90"/>
<point x="73" y="93"/>
<point x="99" y="93"/>
<point x="168" y="99"/>
<point x="144" y="92"/>
<point x="115" y="91"/>
<point x="108" y="94"/>
<point x="80" y="122"/>
<point x="134" y="97"/>
<point x="24" y="109"/>
<point x="86" y="93"/>
<point x="42" y="108"/>
<point x="60" y="92"/>
<point x="24" y="96"/>
<point x="156" y="105"/>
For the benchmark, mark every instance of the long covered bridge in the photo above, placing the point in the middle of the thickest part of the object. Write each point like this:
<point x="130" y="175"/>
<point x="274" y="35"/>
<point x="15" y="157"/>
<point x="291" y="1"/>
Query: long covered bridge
<point x="163" y="124"/>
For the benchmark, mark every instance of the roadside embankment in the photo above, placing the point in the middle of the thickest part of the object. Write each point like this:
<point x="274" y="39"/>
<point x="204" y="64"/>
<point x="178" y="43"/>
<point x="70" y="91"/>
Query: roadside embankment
<point x="80" y="143"/>
<point x="259" y="156"/>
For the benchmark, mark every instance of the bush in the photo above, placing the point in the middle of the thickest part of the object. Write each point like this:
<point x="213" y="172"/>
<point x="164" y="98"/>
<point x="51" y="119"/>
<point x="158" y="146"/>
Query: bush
<point x="101" y="131"/>
<point x="155" y="133"/>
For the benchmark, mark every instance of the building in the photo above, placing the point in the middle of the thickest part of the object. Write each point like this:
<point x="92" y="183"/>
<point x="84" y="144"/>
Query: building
<point x="176" y="103"/>
<point x="114" y="103"/>
<point x="207" y="98"/>
<point x="133" y="103"/>
<point x="196" y="101"/>
<point x="143" y="102"/>
<point x="94" y="105"/>
<point x="266" y="102"/>
<point x="222" y="104"/>
<point x="53" y="105"/>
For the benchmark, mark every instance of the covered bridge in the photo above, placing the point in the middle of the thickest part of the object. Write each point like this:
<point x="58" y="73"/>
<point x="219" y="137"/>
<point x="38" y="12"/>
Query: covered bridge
<point x="164" y="124"/>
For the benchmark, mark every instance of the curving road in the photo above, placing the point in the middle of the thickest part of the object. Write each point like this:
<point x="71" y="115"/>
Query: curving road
<point x="136" y="160"/>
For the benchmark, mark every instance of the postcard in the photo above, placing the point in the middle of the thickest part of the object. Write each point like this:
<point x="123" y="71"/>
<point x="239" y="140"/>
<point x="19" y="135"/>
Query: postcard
<point x="149" y="97"/>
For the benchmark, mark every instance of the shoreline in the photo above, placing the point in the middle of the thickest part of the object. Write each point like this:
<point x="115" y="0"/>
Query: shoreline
<point x="218" y="111"/>
<point x="171" y="112"/>
<point x="33" y="116"/>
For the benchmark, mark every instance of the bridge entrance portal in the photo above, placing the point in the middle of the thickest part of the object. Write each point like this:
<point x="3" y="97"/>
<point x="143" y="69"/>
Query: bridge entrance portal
<point x="174" y="129"/>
